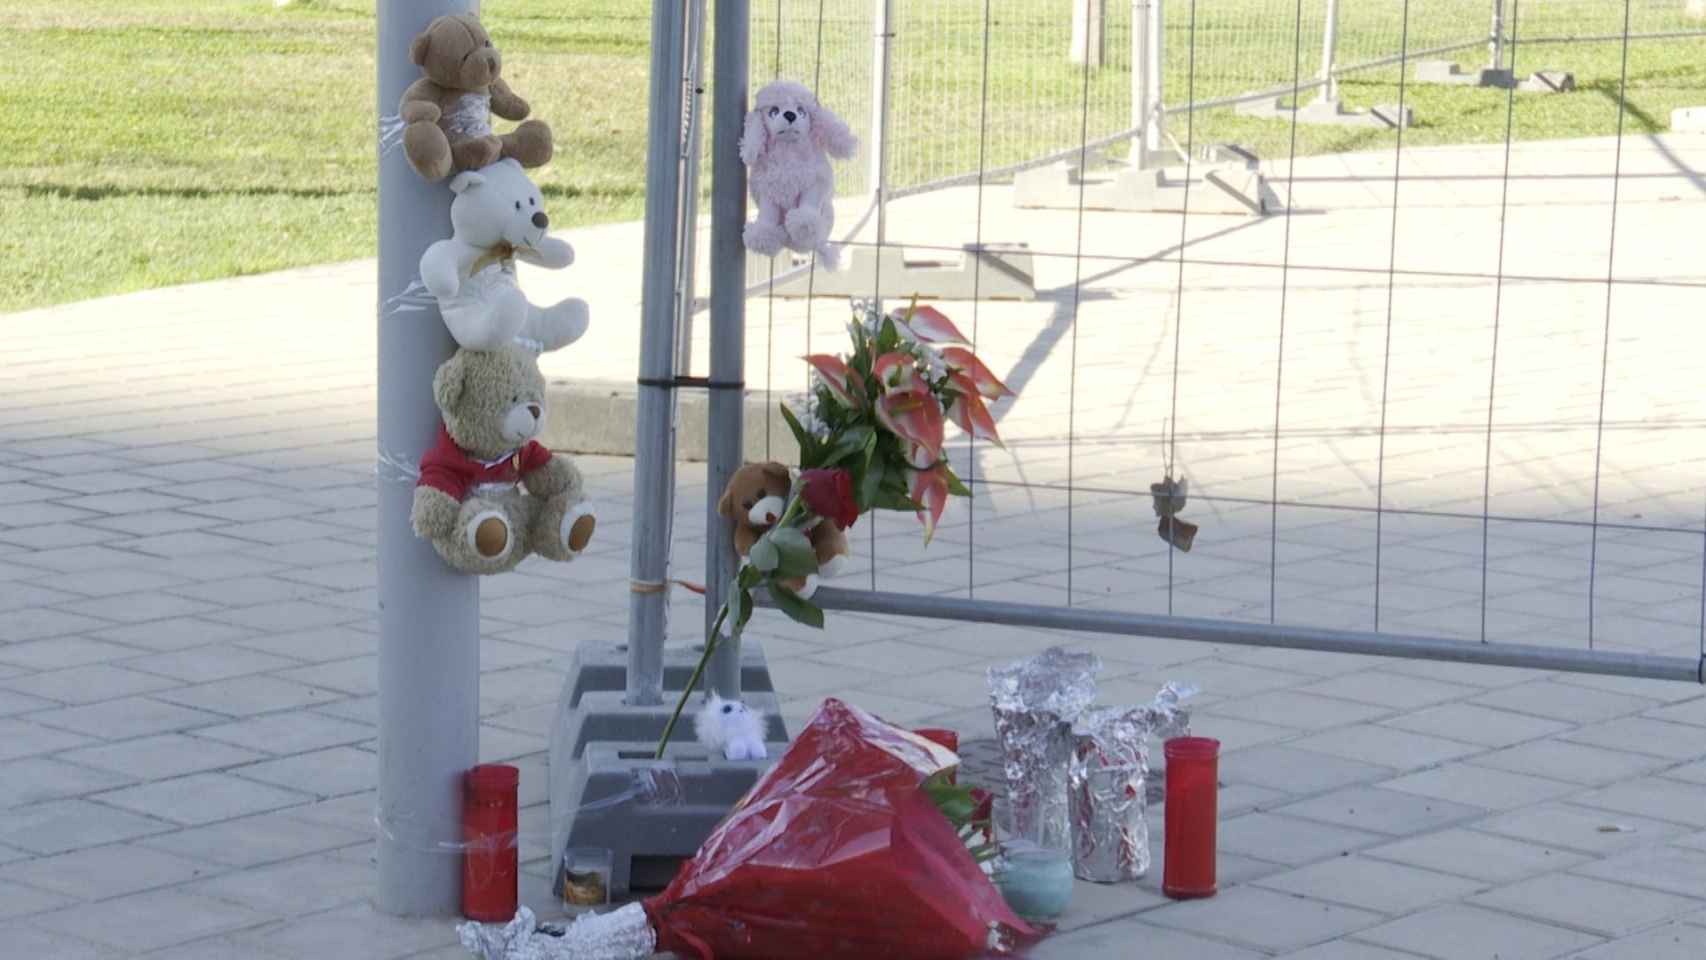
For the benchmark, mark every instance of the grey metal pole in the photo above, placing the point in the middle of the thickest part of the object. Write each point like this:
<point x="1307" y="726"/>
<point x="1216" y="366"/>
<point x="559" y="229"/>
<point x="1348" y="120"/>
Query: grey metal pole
<point x="693" y="85"/>
<point x="1141" y="115"/>
<point x="1153" y="64"/>
<point x="1329" y="51"/>
<point x="728" y="319"/>
<point x="654" y="447"/>
<point x="883" y="17"/>
<point x="1235" y="633"/>
<point x="1496" y="38"/>
<point x="429" y="616"/>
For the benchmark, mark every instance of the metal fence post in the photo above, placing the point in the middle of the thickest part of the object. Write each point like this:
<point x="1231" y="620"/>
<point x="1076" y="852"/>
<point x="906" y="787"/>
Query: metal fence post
<point x="1329" y="51"/>
<point x="882" y="22"/>
<point x="654" y="440"/>
<point x="1140" y="117"/>
<point x="1496" y="38"/>
<point x="1156" y="31"/>
<point x="728" y="319"/>
<point x="429" y="615"/>
<point x="693" y="87"/>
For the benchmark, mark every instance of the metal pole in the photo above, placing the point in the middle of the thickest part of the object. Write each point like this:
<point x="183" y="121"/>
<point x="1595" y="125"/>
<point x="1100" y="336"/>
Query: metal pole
<point x="1153" y="63"/>
<point x="654" y="447"/>
<point x="693" y="86"/>
<point x="1496" y="39"/>
<point x="429" y="616"/>
<point x="728" y="320"/>
<point x="1329" y="50"/>
<point x="882" y="17"/>
<point x="1141" y="115"/>
<point x="1234" y="633"/>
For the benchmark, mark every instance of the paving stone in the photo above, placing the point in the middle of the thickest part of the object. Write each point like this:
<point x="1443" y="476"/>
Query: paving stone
<point x="1584" y="903"/>
<point x="51" y="536"/>
<point x="1674" y="869"/>
<point x="105" y="583"/>
<point x="13" y="703"/>
<point x="357" y="676"/>
<point x="88" y="684"/>
<point x="37" y="779"/>
<point x="1285" y="768"/>
<point x="201" y="798"/>
<point x="1348" y="950"/>
<point x="153" y="920"/>
<point x="152" y="523"/>
<point x="1690" y="712"/>
<point x="17" y="595"/>
<point x="1290" y="708"/>
<point x="62" y="652"/>
<point x="355" y="932"/>
<point x="162" y="756"/>
<point x="1371" y="885"/>
<point x="1470" y="723"/>
<point x="1653" y="797"/>
<point x="285" y="616"/>
<point x="324" y="773"/>
<point x="126" y="717"/>
<point x="1394" y="691"/>
<point x="1457" y="932"/>
<point x="142" y="607"/>
<point x="1116" y="938"/>
<point x="1480" y="856"/>
<point x="24" y="941"/>
<point x="248" y="591"/>
<point x="288" y="733"/>
<point x="32" y="623"/>
<point x="175" y="633"/>
<point x="1262" y="918"/>
<point x="1381" y="811"/>
<point x="127" y="501"/>
<point x="249" y="696"/>
<point x="1673" y="741"/>
<point x="21" y="738"/>
<point x="106" y="872"/>
<point x="260" y="839"/>
<point x="1557" y="701"/>
<point x="40" y="512"/>
<point x="1673" y="941"/>
<point x="1480" y="786"/>
<point x="1371" y="743"/>
<point x="1580" y="828"/>
<point x="1573" y="762"/>
<point x="209" y="663"/>
<point x="17" y="900"/>
<point x="60" y="825"/>
<point x="1288" y="840"/>
<point x="293" y="888"/>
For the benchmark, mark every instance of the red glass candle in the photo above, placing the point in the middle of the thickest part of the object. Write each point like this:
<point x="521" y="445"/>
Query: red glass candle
<point x="946" y="738"/>
<point x="1193" y="778"/>
<point x="489" y="859"/>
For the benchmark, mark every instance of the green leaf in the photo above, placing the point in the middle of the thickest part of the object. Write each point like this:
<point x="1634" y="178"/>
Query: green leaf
<point x="807" y="442"/>
<point x="795" y="606"/>
<point x="870" y="485"/>
<point x="852" y="441"/>
<point x="764" y="555"/>
<point x="796" y="556"/>
<point x="955" y="487"/>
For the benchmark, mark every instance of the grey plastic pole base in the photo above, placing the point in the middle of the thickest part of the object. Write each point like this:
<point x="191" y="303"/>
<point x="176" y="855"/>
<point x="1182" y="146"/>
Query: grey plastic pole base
<point x="598" y="742"/>
<point x="1450" y="73"/>
<point x="1332" y="113"/>
<point x="1233" y="188"/>
<point x="1006" y="272"/>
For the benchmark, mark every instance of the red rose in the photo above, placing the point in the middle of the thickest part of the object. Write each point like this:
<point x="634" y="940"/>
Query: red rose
<point x="983" y="812"/>
<point x="829" y="494"/>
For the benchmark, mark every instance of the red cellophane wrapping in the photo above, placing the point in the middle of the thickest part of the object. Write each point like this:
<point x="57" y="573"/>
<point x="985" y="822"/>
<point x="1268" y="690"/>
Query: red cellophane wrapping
<point x="836" y="854"/>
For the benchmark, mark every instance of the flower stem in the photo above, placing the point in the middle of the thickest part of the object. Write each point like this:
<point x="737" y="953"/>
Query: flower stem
<point x="693" y="681"/>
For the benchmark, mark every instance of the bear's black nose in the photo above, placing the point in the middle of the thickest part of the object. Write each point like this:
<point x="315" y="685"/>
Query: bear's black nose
<point x="492" y="64"/>
<point x="540" y="220"/>
<point x="788" y="115"/>
<point x="533" y="408"/>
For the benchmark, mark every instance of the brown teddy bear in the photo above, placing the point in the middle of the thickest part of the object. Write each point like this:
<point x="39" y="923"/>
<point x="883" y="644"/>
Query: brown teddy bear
<point x="489" y="493"/>
<point x="448" y="112"/>
<point x="754" y="499"/>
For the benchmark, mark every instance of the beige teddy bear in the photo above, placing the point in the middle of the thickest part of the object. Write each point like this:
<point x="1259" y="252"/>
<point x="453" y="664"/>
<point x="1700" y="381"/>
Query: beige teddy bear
<point x="489" y="493"/>
<point x="448" y="113"/>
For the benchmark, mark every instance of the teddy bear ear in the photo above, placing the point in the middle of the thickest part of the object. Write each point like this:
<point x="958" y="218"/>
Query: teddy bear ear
<point x="777" y="471"/>
<point x="447" y="382"/>
<point x="726" y="506"/>
<point x="418" y="50"/>
<point x="465" y="181"/>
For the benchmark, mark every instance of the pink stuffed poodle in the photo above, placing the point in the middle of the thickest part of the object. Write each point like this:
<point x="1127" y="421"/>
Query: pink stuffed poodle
<point x="786" y="147"/>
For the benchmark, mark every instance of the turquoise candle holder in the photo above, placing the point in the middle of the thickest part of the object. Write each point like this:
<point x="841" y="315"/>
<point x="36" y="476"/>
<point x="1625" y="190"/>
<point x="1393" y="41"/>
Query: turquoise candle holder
<point x="1035" y="881"/>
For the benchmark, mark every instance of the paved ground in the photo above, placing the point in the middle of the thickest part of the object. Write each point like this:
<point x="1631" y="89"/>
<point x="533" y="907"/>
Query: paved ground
<point x="187" y="657"/>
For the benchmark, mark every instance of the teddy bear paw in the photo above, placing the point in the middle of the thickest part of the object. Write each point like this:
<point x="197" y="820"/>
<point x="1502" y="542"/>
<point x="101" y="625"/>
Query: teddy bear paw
<point x="805" y="228"/>
<point x="489" y="535"/>
<point x="764" y="238"/>
<point x="578" y="525"/>
<point x="832" y="567"/>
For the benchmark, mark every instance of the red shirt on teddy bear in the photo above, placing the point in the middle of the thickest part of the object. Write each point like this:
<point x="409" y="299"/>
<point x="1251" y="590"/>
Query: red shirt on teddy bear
<point x="446" y="467"/>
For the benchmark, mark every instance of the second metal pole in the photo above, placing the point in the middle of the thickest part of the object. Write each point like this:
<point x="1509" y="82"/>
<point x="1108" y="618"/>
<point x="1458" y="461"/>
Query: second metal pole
<point x="654" y="448"/>
<point x="1329" y="52"/>
<point x="728" y="319"/>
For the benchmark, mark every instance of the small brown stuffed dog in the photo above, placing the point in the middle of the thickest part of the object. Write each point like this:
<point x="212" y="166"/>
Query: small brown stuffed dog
<point x="448" y="112"/>
<point x="755" y="498"/>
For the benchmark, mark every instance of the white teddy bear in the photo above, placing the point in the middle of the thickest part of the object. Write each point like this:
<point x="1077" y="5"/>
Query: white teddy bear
<point x="497" y="218"/>
<point x="730" y="728"/>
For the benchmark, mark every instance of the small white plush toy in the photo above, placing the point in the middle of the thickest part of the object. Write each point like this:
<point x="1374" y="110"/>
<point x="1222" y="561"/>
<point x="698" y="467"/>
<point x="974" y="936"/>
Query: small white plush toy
<point x="727" y="726"/>
<point x="497" y="218"/>
<point x="786" y="146"/>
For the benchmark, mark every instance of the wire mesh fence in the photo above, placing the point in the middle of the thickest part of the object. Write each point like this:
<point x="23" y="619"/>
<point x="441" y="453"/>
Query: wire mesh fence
<point x="1449" y="392"/>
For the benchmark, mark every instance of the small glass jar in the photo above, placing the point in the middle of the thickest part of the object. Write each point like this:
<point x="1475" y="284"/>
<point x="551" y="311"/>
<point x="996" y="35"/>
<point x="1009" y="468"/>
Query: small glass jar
<point x="586" y="879"/>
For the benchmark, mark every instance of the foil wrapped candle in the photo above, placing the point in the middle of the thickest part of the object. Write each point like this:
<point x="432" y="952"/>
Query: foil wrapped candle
<point x="1035" y="702"/>
<point x="1107" y="784"/>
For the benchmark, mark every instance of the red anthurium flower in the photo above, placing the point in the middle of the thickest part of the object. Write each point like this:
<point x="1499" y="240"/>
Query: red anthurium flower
<point x="897" y="372"/>
<point x="967" y="411"/>
<point x="914" y="416"/>
<point x="829" y="494"/>
<point x="959" y="358"/>
<point x="929" y="489"/>
<point x="929" y="325"/>
<point x="844" y="384"/>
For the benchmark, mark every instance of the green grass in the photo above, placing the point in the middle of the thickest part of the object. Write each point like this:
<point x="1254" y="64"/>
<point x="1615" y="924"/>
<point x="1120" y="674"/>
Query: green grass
<point x="153" y="142"/>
